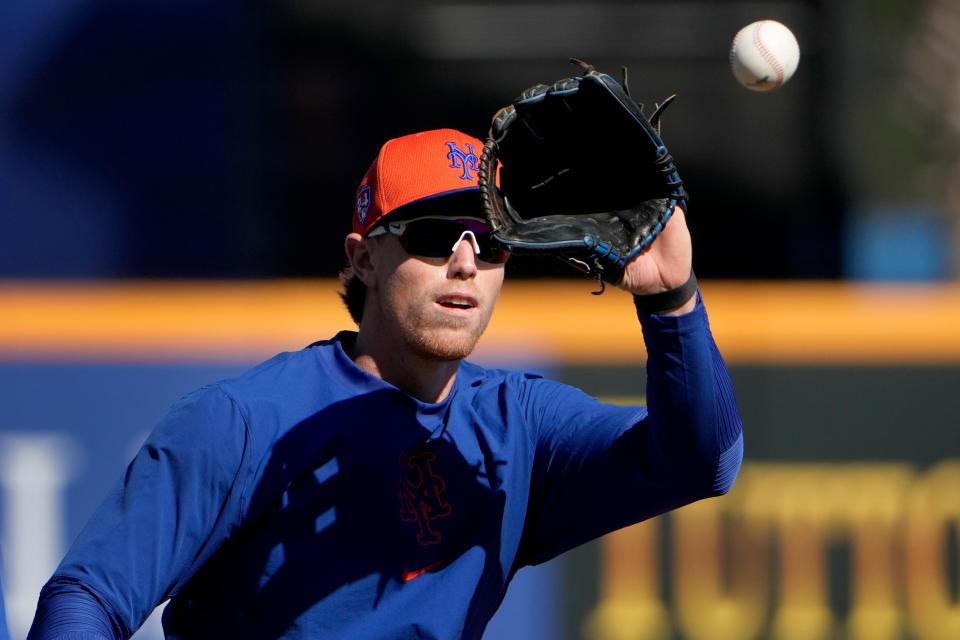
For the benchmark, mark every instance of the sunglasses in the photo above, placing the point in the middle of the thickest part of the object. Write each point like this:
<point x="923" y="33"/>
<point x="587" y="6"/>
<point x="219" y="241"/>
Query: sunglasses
<point x="438" y="237"/>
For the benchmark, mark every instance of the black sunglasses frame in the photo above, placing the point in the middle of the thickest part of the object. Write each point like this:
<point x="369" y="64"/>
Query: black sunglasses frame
<point x="438" y="237"/>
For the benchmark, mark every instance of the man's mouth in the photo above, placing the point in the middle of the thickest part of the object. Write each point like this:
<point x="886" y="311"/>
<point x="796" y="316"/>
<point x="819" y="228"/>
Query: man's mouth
<point x="457" y="301"/>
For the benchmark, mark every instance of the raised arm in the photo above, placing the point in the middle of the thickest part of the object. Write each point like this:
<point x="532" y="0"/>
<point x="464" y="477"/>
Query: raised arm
<point x="600" y="467"/>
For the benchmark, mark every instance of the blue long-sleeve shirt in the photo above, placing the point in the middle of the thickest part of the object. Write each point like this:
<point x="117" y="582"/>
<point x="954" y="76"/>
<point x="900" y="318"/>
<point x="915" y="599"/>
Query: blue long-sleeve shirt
<point x="4" y="634"/>
<point x="308" y="498"/>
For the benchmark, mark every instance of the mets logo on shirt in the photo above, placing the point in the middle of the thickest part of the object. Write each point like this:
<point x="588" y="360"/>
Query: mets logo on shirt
<point x="421" y="496"/>
<point x="463" y="160"/>
<point x="363" y="203"/>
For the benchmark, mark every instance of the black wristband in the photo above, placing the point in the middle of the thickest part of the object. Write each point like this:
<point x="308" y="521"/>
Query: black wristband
<point x="667" y="300"/>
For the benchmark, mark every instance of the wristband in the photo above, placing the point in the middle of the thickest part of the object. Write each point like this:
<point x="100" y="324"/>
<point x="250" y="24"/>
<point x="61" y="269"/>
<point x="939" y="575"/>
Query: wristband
<point x="667" y="300"/>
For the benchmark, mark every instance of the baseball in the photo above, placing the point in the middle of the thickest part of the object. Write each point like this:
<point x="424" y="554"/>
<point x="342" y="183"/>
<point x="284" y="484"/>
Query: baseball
<point x="764" y="55"/>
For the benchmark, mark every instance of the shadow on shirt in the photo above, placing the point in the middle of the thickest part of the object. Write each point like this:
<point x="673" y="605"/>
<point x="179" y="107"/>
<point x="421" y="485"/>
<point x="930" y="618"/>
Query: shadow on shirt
<point x="357" y="511"/>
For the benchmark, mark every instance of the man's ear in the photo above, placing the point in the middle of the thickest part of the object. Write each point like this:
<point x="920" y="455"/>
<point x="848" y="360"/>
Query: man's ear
<point x="358" y="253"/>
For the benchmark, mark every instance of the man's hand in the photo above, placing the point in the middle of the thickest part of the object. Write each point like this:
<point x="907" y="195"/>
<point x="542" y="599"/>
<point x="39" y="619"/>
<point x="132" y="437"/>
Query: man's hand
<point x="665" y="265"/>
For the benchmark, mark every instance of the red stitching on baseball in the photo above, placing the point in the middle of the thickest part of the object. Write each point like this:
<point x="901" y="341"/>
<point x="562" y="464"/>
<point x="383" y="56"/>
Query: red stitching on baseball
<point x="767" y="55"/>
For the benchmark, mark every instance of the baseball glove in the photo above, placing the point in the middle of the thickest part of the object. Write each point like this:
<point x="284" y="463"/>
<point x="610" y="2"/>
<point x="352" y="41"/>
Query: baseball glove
<point x="583" y="174"/>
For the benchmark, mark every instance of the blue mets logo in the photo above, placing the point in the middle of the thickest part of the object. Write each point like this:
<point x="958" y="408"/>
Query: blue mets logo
<point x="461" y="160"/>
<point x="363" y="203"/>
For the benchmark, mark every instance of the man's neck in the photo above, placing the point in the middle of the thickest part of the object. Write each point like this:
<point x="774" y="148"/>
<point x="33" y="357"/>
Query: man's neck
<point x="427" y="380"/>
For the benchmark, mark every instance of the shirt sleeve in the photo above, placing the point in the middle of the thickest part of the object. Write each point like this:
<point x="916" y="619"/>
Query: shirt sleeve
<point x="177" y="502"/>
<point x="4" y="634"/>
<point x="599" y="467"/>
<point x="70" y="611"/>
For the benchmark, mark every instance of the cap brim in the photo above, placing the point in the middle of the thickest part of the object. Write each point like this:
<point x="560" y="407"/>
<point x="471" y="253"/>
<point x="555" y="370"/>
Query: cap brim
<point x="455" y="204"/>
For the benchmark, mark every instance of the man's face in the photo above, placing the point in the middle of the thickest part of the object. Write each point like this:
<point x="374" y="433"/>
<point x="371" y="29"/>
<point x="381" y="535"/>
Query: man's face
<point x="438" y="307"/>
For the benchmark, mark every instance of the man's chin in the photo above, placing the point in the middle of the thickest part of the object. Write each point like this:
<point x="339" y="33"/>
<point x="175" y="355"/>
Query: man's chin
<point x="448" y="344"/>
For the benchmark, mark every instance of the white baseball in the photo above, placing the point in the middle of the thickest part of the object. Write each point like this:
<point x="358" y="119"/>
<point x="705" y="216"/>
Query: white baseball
<point x="764" y="55"/>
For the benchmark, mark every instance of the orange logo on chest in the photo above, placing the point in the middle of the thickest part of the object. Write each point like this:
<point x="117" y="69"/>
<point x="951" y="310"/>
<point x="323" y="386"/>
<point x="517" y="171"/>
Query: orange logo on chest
<point x="421" y="496"/>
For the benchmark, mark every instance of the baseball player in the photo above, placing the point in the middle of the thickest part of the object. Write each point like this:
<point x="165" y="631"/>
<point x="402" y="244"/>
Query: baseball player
<point x="379" y="485"/>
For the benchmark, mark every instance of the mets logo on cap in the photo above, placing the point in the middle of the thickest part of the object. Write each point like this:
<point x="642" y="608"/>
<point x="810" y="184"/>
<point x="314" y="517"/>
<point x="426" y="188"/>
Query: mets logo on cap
<point x="460" y="159"/>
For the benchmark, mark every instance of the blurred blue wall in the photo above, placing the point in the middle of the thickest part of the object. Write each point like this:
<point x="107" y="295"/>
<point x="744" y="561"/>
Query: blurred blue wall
<point x="124" y="136"/>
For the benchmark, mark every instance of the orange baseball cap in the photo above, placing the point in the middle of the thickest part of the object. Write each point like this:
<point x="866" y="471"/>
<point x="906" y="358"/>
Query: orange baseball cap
<point x="413" y="169"/>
